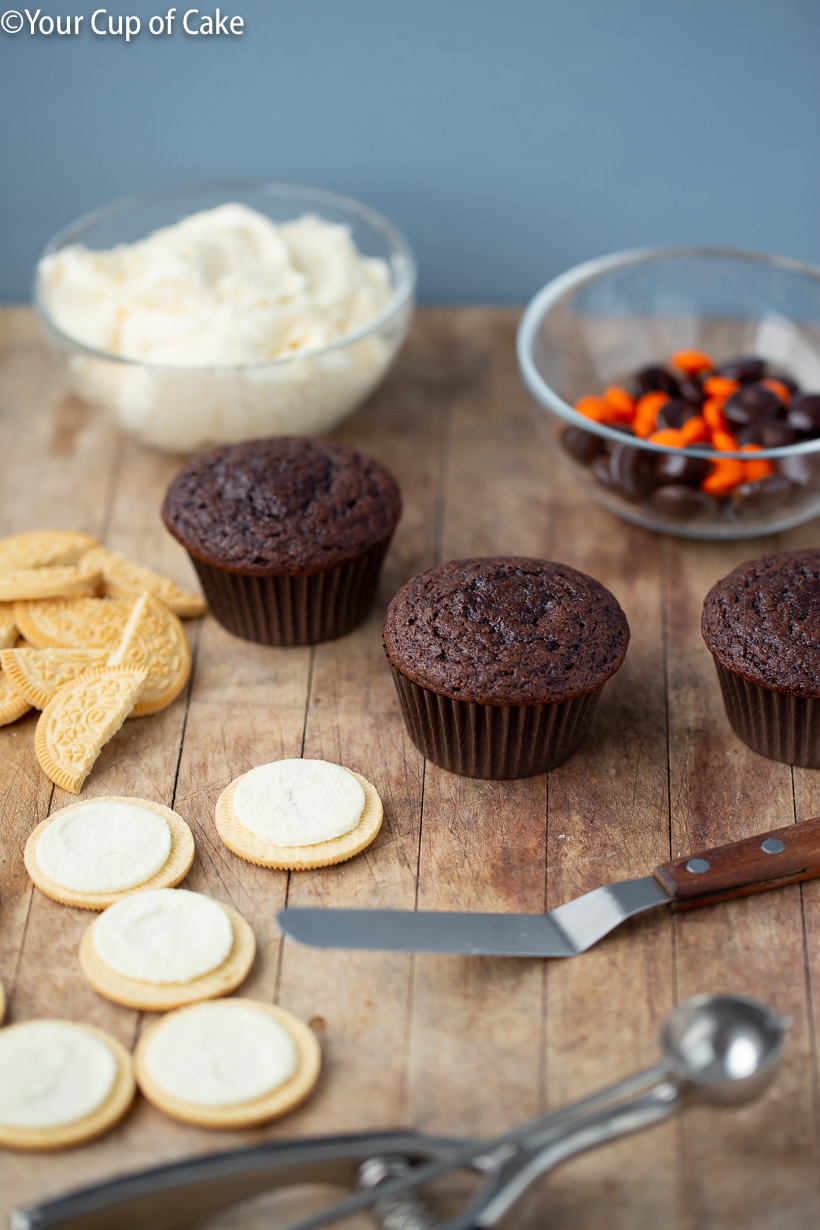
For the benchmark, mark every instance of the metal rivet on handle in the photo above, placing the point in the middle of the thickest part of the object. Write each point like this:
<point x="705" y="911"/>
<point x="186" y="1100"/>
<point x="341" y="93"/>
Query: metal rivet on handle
<point x="773" y="845"/>
<point x="696" y="865"/>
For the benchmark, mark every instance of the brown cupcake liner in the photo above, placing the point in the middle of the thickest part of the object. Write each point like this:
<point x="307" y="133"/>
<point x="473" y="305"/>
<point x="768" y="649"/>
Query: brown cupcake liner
<point x="775" y="724"/>
<point x="493" y="741"/>
<point x="293" y="610"/>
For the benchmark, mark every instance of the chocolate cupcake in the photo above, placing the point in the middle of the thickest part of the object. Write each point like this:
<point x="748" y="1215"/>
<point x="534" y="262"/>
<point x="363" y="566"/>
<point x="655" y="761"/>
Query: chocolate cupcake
<point x="287" y="534"/>
<point x="500" y="662"/>
<point x="761" y="624"/>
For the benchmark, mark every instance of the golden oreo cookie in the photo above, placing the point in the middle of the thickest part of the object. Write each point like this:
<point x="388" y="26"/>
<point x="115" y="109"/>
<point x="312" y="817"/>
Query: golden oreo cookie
<point x="179" y="1036"/>
<point x="12" y="705"/>
<point x="38" y="674"/>
<point x="125" y="579"/>
<point x="264" y="853"/>
<point x="81" y="718"/>
<point x="59" y="581"/>
<point x="41" y="1057"/>
<point x="154" y="638"/>
<point x="72" y="623"/>
<point x="134" y="993"/>
<point x="43" y="549"/>
<point x="173" y="871"/>
<point x="8" y="628"/>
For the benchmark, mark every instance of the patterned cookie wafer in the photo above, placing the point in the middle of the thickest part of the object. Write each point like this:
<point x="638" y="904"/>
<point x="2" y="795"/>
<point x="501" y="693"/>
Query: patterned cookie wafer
<point x="38" y="674"/>
<point x="60" y="581"/>
<point x="12" y="706"/>
<point x="175" y="870"/>
<point x="72" y="623"/>
<point x="90" y="1126"/>
<point x="126" y="579"/>
<point x="268" y="1106"/>
<point x="8" y="628"/>
<point x="81" y="718"/>
<point x="154" y="638"/>
<point x="255" y="849"/>
<point x="43" y="549"/>
<point x="133" y="993"/>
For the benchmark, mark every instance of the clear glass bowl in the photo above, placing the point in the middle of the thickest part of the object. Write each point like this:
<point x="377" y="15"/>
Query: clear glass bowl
<point x="181" y="409"/>
<point x="602" y="321"/>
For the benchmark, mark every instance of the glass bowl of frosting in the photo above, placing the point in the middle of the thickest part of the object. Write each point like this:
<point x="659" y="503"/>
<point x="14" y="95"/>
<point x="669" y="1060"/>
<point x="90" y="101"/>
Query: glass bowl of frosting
<point x="209" y="315"/>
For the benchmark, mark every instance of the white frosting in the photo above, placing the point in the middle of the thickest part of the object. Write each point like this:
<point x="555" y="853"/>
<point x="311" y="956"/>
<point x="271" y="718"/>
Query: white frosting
<point x="52" y="1073"/>
<point x="220" y="289"/>
<point x="299" y="802"/>
<point x="104" y="847"/>
<point x="220" y="1054"/>
<point x="163" y="935"/>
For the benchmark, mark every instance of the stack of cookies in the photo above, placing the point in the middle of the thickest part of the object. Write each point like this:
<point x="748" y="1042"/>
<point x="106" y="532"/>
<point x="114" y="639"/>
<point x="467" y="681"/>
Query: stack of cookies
<point x="90" y="638"/>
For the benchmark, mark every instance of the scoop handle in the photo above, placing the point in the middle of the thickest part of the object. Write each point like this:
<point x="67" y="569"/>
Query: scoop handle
<point x="753" y="865"/>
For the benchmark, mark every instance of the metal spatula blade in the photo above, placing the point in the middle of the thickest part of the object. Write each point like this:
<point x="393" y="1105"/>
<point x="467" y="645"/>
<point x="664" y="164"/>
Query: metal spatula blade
<point x="564" y="932"/>
<point x="751" y="865"/>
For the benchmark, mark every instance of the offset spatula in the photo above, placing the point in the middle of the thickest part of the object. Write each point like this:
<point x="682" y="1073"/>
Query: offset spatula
<point x="770" y="860"/>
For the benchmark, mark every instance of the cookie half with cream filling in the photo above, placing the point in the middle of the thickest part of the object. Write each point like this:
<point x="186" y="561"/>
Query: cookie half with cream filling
<point x="235" y="1063"/>
<point x="298" y="814"/>
<point x="94" y="853"/>
<point x="167" y="947"/>
<point x="61" y="1084"/>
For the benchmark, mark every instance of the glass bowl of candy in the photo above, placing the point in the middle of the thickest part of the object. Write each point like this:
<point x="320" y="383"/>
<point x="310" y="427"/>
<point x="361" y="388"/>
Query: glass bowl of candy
<point x="682" y="386"/>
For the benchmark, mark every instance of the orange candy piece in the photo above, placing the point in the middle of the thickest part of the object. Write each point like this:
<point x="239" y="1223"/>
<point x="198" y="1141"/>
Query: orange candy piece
<point x="669" y="436"/>
<point x="720" y="387"/>
<point x="712" y="412"/>
<point x="756" y="469"/>
<point x="593" y="408"/>
<point x="618" y="401"/>
<point x="726" y="474"/>
<point x="692" y="361"/>
<point x="646" y="413"/>
<point x="695" y="431"/>
<point x="725" y="441"/>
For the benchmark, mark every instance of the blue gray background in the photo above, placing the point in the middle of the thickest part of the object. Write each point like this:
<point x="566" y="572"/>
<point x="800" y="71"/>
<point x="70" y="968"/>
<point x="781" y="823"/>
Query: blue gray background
<point x="508" y="139"/>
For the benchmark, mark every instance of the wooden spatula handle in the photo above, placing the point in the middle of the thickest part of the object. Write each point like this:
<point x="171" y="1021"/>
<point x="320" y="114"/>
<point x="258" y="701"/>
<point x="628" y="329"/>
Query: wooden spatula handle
<point x="753" y="865"/>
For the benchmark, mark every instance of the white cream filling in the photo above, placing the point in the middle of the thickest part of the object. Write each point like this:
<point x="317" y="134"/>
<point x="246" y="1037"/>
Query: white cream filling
<point x="299" y="802"/>
<point x="220" y="1054"/>
<point x="52" y="1073"/>
<point x="164" y="935"/>
<point x="104" y="847"/>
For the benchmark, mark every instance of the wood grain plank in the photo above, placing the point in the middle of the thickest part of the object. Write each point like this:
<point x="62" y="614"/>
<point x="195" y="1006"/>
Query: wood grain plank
<point x="755" y="1167"/>
<point x="476" y="1031"/>
<point x="361" y="1000"/>
<point x="609" y="820"/>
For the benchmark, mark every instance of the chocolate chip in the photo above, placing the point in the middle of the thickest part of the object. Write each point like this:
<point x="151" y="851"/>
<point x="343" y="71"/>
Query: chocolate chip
<point x="764" y="495"/>
<point x="803" y="469"/>
<point x="680" y="468"/>
<point x="768" y="433"/>
<point x="692" y="391"/>
<point x="804" y="414"/>
<point x="752" y="402"/>
<point x="674" y="414"/>
<point x="601" y="470"/>
<point x="582" y="445"/>
<point x="633" y="471"/>
<point x="679" y="503"/>
<point x="654" y="380"/>
<point x="745" y="369"/>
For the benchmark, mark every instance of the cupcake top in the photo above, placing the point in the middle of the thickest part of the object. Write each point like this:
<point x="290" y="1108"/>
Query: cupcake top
<point x="287" y="504"/>
<point x="762" y="622"/>
<point x="506" y="630"/>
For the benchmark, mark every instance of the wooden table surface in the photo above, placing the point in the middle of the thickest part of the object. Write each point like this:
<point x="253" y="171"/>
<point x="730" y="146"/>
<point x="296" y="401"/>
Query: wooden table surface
<point x="445" y="1044"/>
